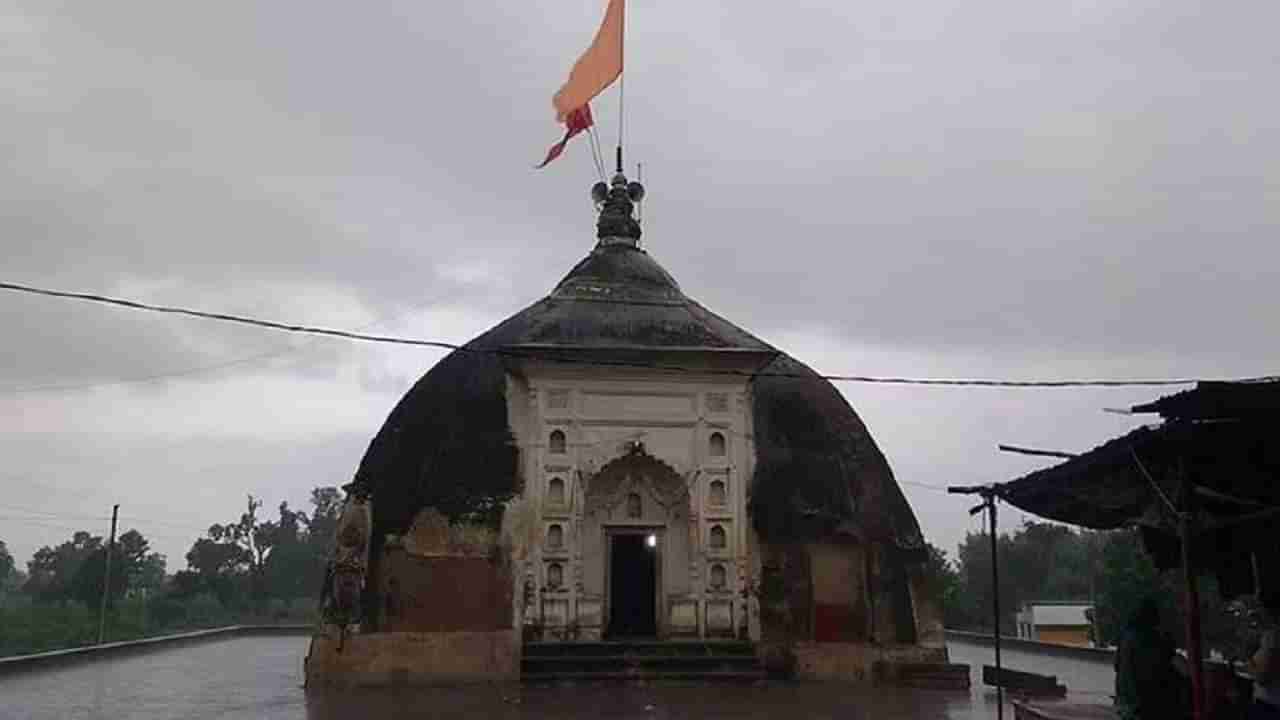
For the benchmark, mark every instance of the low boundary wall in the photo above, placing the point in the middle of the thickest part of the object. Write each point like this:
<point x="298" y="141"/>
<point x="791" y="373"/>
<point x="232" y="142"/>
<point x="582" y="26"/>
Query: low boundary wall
<point x="68" y="656"/>
<point x="1042" y="648"/>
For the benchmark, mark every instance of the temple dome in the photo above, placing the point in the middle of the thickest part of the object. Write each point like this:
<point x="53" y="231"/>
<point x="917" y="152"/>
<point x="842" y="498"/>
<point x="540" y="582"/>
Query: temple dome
<point x="448" y="443"/>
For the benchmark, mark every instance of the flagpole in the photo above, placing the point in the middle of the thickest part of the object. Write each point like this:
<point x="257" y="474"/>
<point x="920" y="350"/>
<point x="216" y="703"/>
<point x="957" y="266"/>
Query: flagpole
<point x="622" y="84"/>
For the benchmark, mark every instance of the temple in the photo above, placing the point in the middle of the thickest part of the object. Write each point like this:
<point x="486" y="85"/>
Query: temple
<point x="617" y="463"/>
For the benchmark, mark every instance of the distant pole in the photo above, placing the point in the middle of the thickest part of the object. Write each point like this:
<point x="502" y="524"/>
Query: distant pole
<point x="106" y="576"/>
<point x="995" y="603"/>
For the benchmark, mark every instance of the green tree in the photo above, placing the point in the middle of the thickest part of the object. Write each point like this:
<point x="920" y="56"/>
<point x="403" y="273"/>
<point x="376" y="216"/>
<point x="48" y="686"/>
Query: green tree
<point x="1047" y="561"/>
<point x="148" y="577"/>
<point x="326" y="506"/>
<point x="256" y="540"/>
<point x="1126" y="575"/>
<point x="943" y="582"/>
<point x="1038" y="561"/>
<point x="7" y="567"/>
<point x="218" y="567"/>
<point x="52" y="570"/>
<point x="130" y="557"/>
<point x="87" y="584"/>
<point x="975" y="582"/>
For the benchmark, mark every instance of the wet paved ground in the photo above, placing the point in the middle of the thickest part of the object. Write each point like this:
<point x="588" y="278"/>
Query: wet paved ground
<point x="261" y="677"/>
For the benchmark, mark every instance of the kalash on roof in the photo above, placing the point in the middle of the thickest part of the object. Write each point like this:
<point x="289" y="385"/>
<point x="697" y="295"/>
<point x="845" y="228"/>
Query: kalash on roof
<point x="817" y="470"/>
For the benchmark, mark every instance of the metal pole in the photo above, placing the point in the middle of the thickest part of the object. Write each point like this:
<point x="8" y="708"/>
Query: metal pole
<point x="1195" y="655"/>
<point x="106" y="576"/>
<point x="995" y="602"/>
<point x="1092" y="547"/>
<point x="989" y="493"/>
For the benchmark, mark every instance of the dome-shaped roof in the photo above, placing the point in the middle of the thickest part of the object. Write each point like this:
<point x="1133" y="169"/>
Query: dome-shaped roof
<point x="617" y="297"/>
<point x="619" y="271"/>
<point x="448" y="443"/>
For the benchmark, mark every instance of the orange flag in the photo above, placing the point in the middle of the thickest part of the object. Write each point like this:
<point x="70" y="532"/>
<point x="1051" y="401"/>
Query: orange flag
<point x="598" y="67"/>
<point x="577" y="121"/>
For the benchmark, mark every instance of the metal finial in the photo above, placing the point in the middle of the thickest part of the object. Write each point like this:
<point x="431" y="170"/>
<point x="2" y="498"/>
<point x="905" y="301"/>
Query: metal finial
<point x="618" y="203"/>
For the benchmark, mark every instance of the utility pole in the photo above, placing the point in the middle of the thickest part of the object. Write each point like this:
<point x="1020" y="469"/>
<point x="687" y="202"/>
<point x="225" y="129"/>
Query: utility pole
<point x="106" y="576"/>
<point x="989" y="494"/>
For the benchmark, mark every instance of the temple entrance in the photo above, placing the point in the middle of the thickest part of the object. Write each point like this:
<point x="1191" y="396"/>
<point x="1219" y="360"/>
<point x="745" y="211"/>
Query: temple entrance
<point x="633" y="585"/>
<point x="635" y="541"/>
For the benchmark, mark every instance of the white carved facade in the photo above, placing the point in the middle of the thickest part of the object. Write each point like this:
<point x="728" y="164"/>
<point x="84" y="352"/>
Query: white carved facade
<point x="682" y="454"/>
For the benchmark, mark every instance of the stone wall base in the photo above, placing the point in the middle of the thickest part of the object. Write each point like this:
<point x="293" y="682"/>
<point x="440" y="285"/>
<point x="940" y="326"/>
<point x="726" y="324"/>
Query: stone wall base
<point x="412" y="658"/>
<point x="859" y="662"/>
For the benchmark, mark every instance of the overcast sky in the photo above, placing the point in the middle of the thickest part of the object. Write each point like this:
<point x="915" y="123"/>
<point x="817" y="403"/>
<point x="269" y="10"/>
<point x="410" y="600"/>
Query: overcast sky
<point x="990" y="188"/>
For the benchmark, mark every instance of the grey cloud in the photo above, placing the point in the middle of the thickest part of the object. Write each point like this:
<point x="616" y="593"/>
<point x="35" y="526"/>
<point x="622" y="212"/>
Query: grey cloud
<point x="1050" y="189"/>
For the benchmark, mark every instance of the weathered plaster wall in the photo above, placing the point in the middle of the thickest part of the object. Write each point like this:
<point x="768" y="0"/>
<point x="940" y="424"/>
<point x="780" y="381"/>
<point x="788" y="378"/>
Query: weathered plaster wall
<point x="839" y="592"/>
<point x="842" y="594"/>
<point x="928" y="610"/>
<point x="413" y="658"/>
<point x="421" y="571"/>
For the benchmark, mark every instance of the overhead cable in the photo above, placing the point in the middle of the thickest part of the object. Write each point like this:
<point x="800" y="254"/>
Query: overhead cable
<point x="396" y="340"/>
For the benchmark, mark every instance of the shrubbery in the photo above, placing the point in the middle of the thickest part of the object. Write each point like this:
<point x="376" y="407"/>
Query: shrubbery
<point x="253" y="571"/>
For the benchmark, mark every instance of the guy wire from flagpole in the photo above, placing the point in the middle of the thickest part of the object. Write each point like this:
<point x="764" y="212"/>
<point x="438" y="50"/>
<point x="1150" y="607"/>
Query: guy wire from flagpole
<point x="597" y="157"/>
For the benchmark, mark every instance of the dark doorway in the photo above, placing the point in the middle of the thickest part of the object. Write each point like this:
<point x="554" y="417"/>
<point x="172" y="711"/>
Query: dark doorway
<point x="633" y="586"/>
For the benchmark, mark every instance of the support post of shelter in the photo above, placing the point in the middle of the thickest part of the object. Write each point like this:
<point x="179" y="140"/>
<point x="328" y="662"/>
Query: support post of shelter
<point x="990" y="504"/>
<point x="1195" y="655"/>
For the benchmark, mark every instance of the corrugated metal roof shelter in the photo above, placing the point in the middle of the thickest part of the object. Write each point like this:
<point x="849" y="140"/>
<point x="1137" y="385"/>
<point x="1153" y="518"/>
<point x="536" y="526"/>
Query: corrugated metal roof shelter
<point x="1216" y="456"/>
<point x="1204" y="487"/>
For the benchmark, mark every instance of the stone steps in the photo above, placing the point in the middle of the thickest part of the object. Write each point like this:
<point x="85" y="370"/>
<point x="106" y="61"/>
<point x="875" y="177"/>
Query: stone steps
<point x="641" y="662"/>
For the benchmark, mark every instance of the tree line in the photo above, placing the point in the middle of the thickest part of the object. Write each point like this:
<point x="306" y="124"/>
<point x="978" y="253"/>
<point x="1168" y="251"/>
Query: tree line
<point x="257" y="568"/>
<point x="1043" y="561"/>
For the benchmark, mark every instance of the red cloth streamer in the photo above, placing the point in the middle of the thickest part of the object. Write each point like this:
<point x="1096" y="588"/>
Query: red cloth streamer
<point x="575" y="122"/>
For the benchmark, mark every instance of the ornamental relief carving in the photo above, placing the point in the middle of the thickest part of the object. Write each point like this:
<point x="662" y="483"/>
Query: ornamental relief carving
<point x="635" y="486"/>
<point x="594" y="453"/>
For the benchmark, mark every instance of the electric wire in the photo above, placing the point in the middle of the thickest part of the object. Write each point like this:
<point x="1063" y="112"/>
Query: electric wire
<point x="199" y="369"/>
<point x="516" y="354"/>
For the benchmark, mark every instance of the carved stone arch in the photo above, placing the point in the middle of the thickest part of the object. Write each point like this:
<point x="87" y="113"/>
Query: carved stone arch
<point x="637" y="472"/>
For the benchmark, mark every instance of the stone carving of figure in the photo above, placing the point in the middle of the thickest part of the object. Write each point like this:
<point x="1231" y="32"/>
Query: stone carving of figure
<point x="555" y="576"/>
<point x="635" y="506"/>
<point x="350" y="561"/>
<point x="530" y="596"/>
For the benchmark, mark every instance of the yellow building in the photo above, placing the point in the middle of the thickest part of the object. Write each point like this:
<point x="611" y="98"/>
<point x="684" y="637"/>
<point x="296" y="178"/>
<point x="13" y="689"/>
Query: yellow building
<point x="1060" y="623"/>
